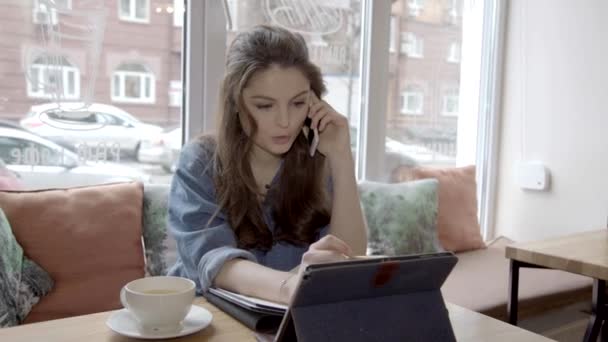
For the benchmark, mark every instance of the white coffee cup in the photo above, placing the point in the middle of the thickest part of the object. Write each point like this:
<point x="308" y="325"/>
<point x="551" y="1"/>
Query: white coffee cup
<point x="159" y="303"/>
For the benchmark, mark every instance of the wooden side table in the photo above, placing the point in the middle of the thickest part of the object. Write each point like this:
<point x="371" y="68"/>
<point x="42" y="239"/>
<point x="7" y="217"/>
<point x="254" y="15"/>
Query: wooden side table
<point x="584" y="253"/>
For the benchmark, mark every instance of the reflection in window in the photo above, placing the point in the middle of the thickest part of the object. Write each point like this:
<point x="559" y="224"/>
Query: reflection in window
<point x="132" y="82"/>
<point x="412" y="45"/>
<point x="134" y="10"/>
<point x="53" y="77"/>
<point x="412" y="100"/>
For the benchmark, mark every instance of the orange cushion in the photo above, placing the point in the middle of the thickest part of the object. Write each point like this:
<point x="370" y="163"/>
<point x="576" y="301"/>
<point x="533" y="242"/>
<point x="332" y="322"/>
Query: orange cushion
<point x="88" y="239"/>
<point x="457" y="223"/>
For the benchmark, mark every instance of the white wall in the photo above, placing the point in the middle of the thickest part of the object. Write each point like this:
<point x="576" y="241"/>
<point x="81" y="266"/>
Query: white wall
<point x="556" y="81"/>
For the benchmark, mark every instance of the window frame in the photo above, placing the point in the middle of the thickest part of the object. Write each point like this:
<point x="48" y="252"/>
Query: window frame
<point x="132" y="15"/>
<point x="411" y="45"/>
<point x="52" y="12"/>
<point x="444" y="106"/>
<point x="44" y="68"/>
<point x="454" y="52"/>
<point x="406" y="97"/>
<point x="142" y="76"/>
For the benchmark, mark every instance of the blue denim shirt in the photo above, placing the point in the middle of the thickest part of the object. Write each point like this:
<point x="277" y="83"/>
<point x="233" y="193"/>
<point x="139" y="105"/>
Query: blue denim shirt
<point x="203" y="249"/>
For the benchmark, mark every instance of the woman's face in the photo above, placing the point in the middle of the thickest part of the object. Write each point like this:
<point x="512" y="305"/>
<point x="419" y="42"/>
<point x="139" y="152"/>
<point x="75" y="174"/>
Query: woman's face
<point x="278" y="100"/>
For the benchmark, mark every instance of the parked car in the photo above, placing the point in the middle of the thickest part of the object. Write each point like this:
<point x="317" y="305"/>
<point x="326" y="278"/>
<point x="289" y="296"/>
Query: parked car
<point x="162" y="149"/>
<point x="73" y="124"/>
<point x="8" y="179"/>
<point x="40" y="163"/>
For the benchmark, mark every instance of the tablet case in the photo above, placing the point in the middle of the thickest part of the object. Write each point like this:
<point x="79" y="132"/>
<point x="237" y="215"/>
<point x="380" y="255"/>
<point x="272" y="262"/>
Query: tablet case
<point x="394" y="299"/>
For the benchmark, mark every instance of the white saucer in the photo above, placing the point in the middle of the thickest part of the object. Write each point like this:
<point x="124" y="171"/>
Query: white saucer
<point x="123" y="323"/>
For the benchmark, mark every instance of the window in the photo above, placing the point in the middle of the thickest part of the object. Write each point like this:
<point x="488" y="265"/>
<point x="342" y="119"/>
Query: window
<point x="53" y="77"/>
<point x="16" y="151"/>
<point x="134" y="10"/>
<point x="412" y="45"/>
<point x="453" y="12"/>
<point x="393" y="33"/>
<point x="454" y="53"/>
<point x="450" y="103"/>
<point x="45" y="11"/>
<point x="233" y="8"/>
<point x="175" y="94"/>
<point x="178" y="13"/>
<point x="412" y="101"/>
<point x="414" y="7"/>
<point x="133" y="83"/>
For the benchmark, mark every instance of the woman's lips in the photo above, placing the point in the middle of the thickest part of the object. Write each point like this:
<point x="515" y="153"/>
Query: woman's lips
<point x="281" y="140"/>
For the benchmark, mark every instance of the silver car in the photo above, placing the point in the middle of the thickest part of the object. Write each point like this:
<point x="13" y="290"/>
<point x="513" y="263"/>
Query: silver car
<point x="162" y="149"/>
<point x="41" y="164"/>
<point x="74" y="124"/>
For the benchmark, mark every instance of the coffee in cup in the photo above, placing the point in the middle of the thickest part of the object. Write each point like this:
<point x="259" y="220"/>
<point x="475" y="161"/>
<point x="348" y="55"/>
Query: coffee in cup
<point x="159" y="303"/>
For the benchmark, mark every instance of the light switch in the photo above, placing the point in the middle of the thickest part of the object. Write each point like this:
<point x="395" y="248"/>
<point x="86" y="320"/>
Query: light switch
<point x="532" y="175"/>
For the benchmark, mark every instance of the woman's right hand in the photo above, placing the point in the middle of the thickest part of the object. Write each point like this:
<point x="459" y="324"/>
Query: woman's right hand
<point x="327" y="249"/>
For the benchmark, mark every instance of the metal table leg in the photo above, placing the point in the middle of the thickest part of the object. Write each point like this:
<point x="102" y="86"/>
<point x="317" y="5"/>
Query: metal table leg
<point x="598" y="313"/>
<point x="513" y="291"/>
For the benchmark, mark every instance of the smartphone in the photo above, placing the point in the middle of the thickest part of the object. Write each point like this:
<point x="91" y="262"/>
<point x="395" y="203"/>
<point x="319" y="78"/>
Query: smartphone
<point x="312" y="137"/>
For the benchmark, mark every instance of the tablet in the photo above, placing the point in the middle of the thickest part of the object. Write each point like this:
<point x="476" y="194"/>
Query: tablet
<point x="384" y="299"/>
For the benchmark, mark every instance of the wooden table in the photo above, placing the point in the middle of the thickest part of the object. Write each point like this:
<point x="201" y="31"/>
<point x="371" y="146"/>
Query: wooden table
<point x="467" y="325"/>
<point x="584" y="253"/>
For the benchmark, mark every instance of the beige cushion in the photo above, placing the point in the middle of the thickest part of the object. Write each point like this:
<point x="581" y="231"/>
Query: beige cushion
<point x="88" y="239"/>
<point x="457" y="224"/>
<point x="480" y="281"/>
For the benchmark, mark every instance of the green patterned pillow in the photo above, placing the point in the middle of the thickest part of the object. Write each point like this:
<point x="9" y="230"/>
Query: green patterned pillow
<point x="22" y="281"/>
<point x="160" y="248"/>
<point x="401" y="217"/>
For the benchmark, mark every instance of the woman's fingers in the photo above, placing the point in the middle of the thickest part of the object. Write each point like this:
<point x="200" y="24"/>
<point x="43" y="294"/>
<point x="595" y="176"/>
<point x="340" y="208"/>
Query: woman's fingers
<point x="322" y="256"/>
<point x="332" y="243"/>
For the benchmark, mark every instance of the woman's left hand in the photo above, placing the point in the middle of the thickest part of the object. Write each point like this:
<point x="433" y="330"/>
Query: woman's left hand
<point x="334" y="135"/>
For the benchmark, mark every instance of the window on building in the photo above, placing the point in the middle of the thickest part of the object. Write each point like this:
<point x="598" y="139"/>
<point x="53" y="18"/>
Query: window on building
<point x="450" y="103"/>
<point x="134" y="10"/>
<point x="412" y="45"/>
<point x="233" y="8"/>
<point x="414" y="7"/>
<point x="178" y="13"/>
<point x="412" y="100"/>
<point x="45" y="11"/>
<point x="133" y="82"/>
<point x="393" y="33"/>
<point x="454" y="53"/>
<point x="53" y="77"/>
<point x="175" y="94"/>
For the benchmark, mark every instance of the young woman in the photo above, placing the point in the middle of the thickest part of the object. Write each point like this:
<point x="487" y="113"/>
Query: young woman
<point x="251" y="205"/>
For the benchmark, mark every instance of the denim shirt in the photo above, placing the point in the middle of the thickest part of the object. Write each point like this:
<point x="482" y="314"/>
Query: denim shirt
<point x="204" y="248"/>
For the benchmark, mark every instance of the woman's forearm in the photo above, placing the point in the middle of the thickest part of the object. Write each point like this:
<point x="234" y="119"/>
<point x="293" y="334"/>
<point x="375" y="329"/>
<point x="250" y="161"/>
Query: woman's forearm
<point x="252" y="279"/>
<point x="347" y="222"/>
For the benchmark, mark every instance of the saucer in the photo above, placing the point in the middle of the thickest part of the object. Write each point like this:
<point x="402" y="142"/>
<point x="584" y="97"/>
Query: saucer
<point x="123" y="323"/>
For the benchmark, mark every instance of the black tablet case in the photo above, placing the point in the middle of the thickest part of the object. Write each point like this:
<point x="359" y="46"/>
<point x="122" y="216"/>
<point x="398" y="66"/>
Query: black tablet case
<point x="396" y="299"/>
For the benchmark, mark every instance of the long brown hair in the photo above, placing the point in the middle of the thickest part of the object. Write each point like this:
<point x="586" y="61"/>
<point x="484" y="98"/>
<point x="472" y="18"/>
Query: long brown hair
<point x="300" y="205"/>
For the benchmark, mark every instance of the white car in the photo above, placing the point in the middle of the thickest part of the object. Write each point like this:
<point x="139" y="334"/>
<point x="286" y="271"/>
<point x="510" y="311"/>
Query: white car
<point x="74" y="124"/>
<point x="41" y="164"/>
<point x="162" y="150"/>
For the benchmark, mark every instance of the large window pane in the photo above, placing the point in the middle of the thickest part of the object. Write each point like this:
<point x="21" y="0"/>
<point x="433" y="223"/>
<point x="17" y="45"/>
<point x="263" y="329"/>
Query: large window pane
<point x="424" y="74"/>
<point x="79" y="104"/>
